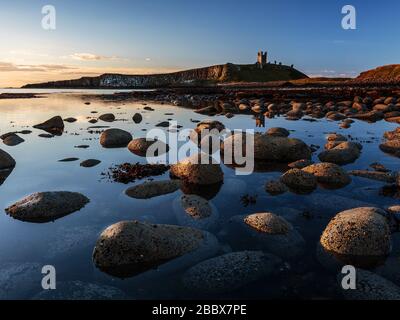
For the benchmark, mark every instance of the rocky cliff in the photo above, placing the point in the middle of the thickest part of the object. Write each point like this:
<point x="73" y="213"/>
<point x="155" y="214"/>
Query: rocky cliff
<point x="214" y="74"/>
<point x="384" y="74"/>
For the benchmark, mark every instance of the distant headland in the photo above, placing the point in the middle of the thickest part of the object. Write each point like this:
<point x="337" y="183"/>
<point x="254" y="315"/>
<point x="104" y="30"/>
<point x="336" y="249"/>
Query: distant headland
<point x="261" y="71"/>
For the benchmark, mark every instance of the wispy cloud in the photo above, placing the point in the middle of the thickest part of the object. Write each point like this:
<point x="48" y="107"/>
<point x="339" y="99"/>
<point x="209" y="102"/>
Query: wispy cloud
<point x="8" y="66"/>
<point x="91" y="57"/>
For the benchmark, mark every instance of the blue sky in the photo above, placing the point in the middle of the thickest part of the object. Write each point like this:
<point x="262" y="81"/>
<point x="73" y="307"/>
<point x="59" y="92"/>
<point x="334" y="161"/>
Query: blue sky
<point x="140" y="36"/>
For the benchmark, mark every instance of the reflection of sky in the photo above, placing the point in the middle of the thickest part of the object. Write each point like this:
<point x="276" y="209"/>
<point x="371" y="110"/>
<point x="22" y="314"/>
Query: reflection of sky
<point x="69" y="241"/>
<point x="153" y="36"/>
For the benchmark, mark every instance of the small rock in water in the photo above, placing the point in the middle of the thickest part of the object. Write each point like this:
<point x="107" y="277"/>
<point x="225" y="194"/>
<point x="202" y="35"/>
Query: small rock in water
<point x="128" y="172"/>
<point x="300" y="164"/>
<point x="140" y="147"/>
<point x="68" y="159"/>
<point x="6" y="161"/>
<point x="278" y="132"/>
<point x="11" y="139"/>
<point x="374" y="175"/>
<point x="47" y="206"/>
<point x="152" y="189"/>
<point x="46" y="135"/>
<point x="115" y="138"/>
<point x="54" y="126"/>
<point x="275" y="187"/>
<point x="107" y="117"/>
<point x="90" y="163"/>
<point x="299" y="181"/>
<point x="137" y="118"/>
<point x="82" y="146"/>
<point x="329" y="174"/>
<point x="70" y="120"/>
<point x="379" y="167"/>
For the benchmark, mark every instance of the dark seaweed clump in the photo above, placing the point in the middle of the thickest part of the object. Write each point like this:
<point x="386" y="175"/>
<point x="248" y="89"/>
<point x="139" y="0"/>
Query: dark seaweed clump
<point x="128" y="172"/>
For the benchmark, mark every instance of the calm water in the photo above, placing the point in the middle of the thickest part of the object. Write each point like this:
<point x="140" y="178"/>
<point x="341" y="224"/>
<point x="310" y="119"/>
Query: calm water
<point x="68" y="242"/>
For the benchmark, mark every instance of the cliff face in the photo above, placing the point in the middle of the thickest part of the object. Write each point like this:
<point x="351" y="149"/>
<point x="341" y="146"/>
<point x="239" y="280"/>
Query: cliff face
<point x="214" y="74"/>
<point x="387" y="74"/>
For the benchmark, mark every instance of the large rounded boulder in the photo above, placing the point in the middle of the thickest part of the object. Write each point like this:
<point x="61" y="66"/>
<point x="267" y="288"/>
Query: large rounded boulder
<point x="6" y="161"/>
<point x="198" y="169"/>
<point x="115" y="138"/>
<point x="299" y="181"/>
<point x="360" y="237"/>
<point x="343" y="153"/>
<point x="128" y="248"/>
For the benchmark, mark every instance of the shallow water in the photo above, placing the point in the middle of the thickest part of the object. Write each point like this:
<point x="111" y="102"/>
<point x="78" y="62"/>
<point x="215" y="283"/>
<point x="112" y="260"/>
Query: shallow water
<point x="68" y="242"/>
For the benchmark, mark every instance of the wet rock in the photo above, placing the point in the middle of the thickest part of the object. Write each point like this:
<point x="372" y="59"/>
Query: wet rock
<point x="379" y="167"/>
<point x="47" y="206"/>
<point x="196" y="212"/>
<point x="115" y="138"/>
<point x="107" y="117"/>
<point x="229" y="272"/>
<point x="269" y="148"/>
<point x="68" y="159"/>
<point x="336" y="137"/>
<point x="209" y="124"/>
<point x="275" y="187"/>
<point x="137" y="118"/>
<point x="392" y="135"/>
<point x="128" y="248"/>
<point x="299" y="180"/>
<point x="329" y="174"/>
<point x="46" y="135"/>
<point x="140" y="147"/>
<point x="344" y="153"/>
<point x="70" y="120"/>
<point x="6" y="161"/>
<point x="19" y="280"/>
<point x="300" y="164"/>
<point x="163" y="124"/>
<point x="152" y="189"/>
<point x="265" y="231"/>
<point x="359" y="237"/>
<point x="54" y="126"/>
<point x="89" y="163"/>
<point x="78" y="290"/>
<point x="11" y="139"/>
<point x="371" y="116"/>
<point x="391" y="146"/>
<point x="375" y="175"/>
<point x="370" y="286"/>
<point x="198" y="169"/>
<point x="278" y="132"/>
<point x="93" y="121"/>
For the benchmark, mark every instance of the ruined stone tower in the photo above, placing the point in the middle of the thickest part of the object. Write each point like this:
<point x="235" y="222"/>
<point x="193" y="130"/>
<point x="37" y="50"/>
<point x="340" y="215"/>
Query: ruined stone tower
<point x="262" y="58"/>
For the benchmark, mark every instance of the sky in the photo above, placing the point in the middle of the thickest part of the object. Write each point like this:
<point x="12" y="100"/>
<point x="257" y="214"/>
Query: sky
<point x="154" y="36"/>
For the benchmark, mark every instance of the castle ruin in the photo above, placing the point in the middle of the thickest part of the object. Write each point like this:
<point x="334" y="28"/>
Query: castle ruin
<point x="262" y="58"/>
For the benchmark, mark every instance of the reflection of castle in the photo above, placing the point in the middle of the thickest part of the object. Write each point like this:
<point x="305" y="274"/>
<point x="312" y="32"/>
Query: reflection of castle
<point x="262" y="58"/>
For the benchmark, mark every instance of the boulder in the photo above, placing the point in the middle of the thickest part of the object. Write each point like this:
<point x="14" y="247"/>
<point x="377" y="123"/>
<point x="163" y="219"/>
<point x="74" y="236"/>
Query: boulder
<point x="137" y="118"/>
<point x="229" y="272"/>
<point x="278" y="132"/>
<point x="54" y="126"/>
<point x="115" y="138"/>
<point x="90" y="163"/>
<point x="299" y="181"/>
<point x="128" y="248"/>
<point x="6" y="161"/>
<point x="359" y="237"/>
<point x="391" y="147"/>
<point x="11" y="139"/>
<point x="140" y="146"/>
<point x="275" y="187"/>
<point x="107" y="117"/>
<point x="42" y="207"/>
<point x="343" y="153"/>
<point x="198" y="169"/>
<point x="370" y="286"/>
<point x="329" y="174"/>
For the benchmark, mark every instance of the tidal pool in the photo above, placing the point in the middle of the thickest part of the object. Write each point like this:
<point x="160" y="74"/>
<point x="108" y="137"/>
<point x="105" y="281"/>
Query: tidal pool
<point x="68" y="243"/>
